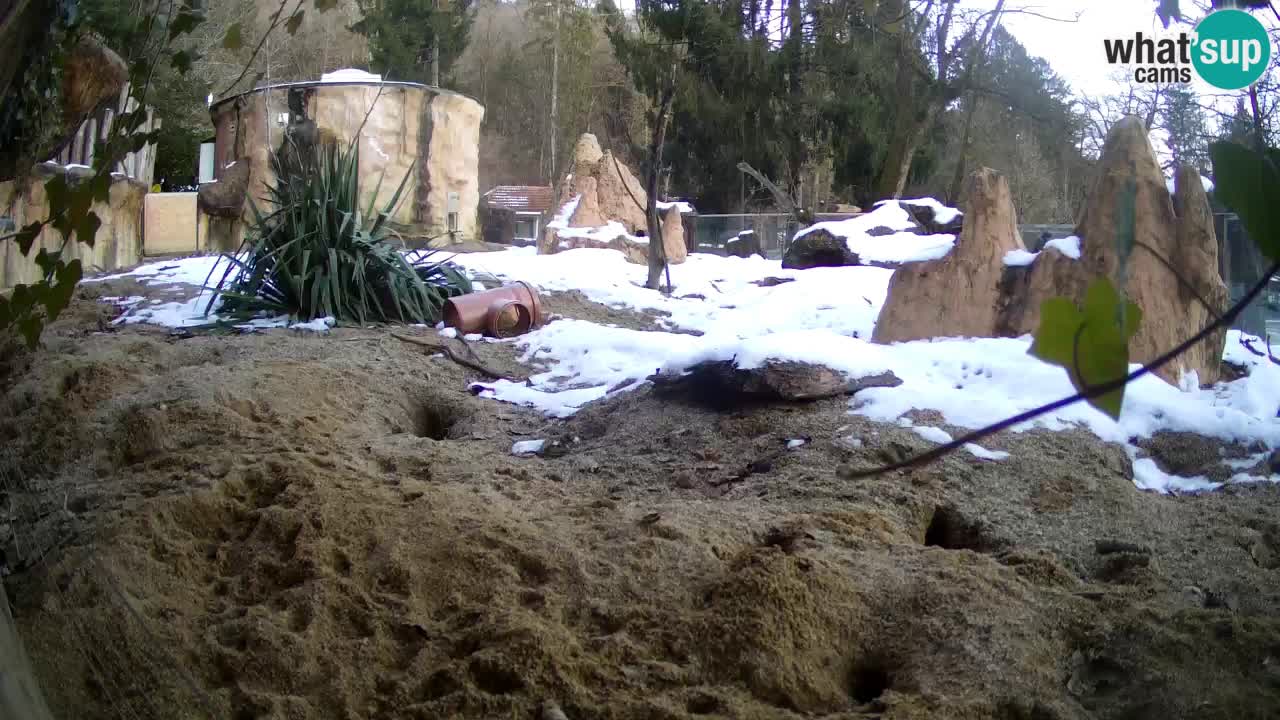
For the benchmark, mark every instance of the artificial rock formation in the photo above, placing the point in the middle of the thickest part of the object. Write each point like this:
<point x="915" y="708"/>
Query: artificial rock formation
<point x="955" y="295"/>
<point x="606" y="191"/>
<point x="1172" y="237"/>
<point x="225" y="196"/>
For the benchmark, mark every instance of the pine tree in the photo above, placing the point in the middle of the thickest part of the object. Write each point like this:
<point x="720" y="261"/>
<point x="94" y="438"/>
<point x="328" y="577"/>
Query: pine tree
<point x="415" y="40"/>
<point x="1183" y="120"/>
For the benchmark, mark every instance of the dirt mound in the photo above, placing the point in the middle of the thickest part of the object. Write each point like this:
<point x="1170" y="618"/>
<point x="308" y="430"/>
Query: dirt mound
<point x="285" y="526"/>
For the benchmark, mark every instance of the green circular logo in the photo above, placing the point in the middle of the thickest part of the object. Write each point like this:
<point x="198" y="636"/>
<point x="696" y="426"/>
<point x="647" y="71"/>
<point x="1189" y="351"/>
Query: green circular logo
<point x="1232" y="49"/>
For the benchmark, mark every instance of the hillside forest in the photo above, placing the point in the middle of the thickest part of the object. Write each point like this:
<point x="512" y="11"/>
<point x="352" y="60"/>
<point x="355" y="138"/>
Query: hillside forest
<point x="836" y="101"/>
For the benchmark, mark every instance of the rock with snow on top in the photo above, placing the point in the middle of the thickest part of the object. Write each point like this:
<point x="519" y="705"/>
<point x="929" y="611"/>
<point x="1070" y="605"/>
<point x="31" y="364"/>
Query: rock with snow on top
<point x="957" y="295"/>
<point x="1179" y="229"/>
<point x="743" y="245"/>
<point x="602" y="205"/>
<point x="819" y="248"/>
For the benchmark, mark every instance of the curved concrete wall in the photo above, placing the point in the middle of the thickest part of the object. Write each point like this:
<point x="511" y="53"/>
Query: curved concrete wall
<point x="428" y="134"/>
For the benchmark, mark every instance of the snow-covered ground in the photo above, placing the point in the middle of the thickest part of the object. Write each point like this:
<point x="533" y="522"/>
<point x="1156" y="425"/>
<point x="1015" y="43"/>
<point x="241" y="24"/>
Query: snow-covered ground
<point x="825" y="315"/>
<point x="821" y="315"/>
<point x="900" y="246"/>
<point x="189" y="312"/>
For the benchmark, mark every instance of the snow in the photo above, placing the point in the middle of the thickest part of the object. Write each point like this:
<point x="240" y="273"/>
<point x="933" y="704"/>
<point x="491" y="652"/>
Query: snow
<point x="825" y="316"/>
<point x="794" y="443"/>
<point x="933" y="434"/>
<point x="349" y="75"/>
<point x="449" y="332"/>
<point x="941" y="213"/>
<point x="1019" y="258"/>
<point x="319" y="325"/>
<point x="1069" y="246"/>
<point x="528" y="447"/>
<point x="984" y="454"/>
<point x="900" y="246"/>
<point x="172" y="276"/>
<point x="683" y="206"/>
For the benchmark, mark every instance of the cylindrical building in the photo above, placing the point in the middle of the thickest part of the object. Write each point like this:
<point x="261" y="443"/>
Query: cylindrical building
<point x="405" y="128"/>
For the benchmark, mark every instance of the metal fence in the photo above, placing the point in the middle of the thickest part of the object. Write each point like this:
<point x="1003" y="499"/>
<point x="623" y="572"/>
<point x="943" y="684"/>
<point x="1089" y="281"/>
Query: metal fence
<point x="775" y="230"/>
<point x="1242" y="266"/>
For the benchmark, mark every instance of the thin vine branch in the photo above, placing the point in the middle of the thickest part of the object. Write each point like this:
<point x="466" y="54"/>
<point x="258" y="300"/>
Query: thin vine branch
<point x="1096" y="391"/>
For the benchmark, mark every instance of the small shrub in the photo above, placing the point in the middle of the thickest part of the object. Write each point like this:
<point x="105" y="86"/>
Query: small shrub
<point x="316" y="254"/>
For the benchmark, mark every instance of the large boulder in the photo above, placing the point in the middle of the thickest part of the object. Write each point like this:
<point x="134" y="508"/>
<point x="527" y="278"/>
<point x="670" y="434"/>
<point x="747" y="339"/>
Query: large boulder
<point x="744" y="245"/>
<point x="956" y="294"/>
<point x="1173" y="237"/>
<point x="602" y="205"/>
<point x="1167" y="244"/>
<point x="673" y="236"/>
<point x="818" y="248"/>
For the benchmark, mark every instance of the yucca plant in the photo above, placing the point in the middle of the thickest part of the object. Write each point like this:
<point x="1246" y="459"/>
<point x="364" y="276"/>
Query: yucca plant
<point x="315" y="254"/>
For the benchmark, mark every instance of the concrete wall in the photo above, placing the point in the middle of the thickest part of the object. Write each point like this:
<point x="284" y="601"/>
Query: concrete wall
<point x="171" y="225"/>
<point x="118" y="243"/>
<point x="431" y="136"/>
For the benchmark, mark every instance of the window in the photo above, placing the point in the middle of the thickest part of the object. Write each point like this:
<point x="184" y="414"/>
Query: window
<point x="526" y="229"/>
<point x="453" y="222"/>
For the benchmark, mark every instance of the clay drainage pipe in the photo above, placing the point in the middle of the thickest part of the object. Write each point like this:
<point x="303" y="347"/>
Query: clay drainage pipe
<point x="502" y="312"/>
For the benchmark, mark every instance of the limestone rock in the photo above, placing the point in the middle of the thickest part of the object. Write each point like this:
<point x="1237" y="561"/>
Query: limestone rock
<point x="673" y="236"/>
<point x="980" y="297"/>
<point x="225" y="198"/>
<point x="956" y="295"/>
<point x="818" y="248"/>
<point x="1184" y="239"/>
<point x="610" y="201"/>
<point x="744" y="244"/>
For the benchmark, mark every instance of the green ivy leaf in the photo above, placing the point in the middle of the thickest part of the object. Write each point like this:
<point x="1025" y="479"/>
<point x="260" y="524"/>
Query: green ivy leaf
<point x="1249" y="184"/>
<point x="232" y="40"/>
<point x="1091" y="343"/>
<point x="184" y="22"/>
<point x="326" y="5"/>
<point x="47" y="262"/>
<point x="294" y="22"/>
<point x="58" y="297"/>
<point x="27" y="236"/>
<point x="182" y="61"/>
<point x="87" y="228"/>
<point x="100" y="186"/>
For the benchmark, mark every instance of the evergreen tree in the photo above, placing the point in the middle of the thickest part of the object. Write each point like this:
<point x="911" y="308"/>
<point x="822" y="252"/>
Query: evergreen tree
<point x="1183" y="120"/>
<point x="407" y="38"/>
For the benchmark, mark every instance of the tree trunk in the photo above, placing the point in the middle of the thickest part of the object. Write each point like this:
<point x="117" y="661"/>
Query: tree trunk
<point x="657" y="251"/>
<point x="555" y="91"/>
<point x="905" y="140"/>
<point x="953" y="192"/>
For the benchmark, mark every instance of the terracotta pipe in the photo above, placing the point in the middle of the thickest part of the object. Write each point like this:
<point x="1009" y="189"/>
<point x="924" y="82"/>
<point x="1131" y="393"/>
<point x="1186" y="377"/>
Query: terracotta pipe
<point x="502" y="312"/>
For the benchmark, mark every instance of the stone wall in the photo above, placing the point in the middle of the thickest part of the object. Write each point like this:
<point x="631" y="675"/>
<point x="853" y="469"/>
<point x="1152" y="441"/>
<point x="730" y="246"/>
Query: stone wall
<point x="118" y="243"/>
<point x="171" y="225"/>
<point x="428" y="135"/>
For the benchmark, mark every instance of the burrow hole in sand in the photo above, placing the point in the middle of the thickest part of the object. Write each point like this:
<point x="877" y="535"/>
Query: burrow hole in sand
<point x="431" y="418"/>
<point x="868" y="682"/>
<point x="949" y="529"/>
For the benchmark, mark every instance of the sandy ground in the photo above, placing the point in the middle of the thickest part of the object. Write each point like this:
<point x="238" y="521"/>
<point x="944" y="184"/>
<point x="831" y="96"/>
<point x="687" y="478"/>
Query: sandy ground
<point x="279" y="525"/>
